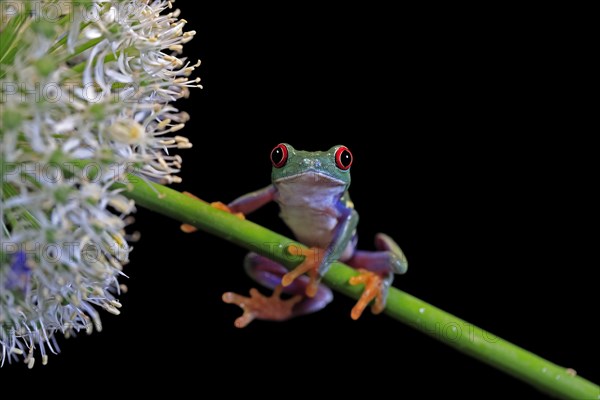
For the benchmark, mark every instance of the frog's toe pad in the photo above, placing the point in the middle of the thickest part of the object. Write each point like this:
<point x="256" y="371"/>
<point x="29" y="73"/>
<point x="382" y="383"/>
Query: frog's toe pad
<point x="258" y="306"/>
<point x="187" y="228"/>
<point x="374" y="289"/>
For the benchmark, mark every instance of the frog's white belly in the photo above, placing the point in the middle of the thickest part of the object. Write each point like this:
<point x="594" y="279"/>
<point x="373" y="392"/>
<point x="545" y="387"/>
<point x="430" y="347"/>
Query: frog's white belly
<point x="308" y="207"/>
<point x="310" y="227"/>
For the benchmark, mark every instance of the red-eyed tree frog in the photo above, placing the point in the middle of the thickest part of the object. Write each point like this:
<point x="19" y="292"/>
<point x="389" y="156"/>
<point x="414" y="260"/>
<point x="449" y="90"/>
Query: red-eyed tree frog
<point x="311" y="189"/>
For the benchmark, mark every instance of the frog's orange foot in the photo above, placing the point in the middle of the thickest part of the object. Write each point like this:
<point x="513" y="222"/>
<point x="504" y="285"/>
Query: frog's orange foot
<point x="187" y="228"/>
<point x="258" y="306"/>
<point x="223" y="207"/>
<point x="374" y="289"/>
<point x="312" y="260"/>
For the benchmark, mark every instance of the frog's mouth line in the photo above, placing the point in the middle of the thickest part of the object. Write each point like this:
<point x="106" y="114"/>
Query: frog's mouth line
<point x="311" y="176"/>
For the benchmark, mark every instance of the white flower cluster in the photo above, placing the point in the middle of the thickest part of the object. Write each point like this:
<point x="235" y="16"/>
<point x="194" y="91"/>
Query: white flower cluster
<point x="85" y="93"/>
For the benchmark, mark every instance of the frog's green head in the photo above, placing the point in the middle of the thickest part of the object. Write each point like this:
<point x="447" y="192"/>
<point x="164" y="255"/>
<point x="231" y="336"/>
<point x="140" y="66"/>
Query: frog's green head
<point x="321" y="168"/>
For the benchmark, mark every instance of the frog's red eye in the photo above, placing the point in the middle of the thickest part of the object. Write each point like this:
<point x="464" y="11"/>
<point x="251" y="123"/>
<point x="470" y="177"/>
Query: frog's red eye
<point x="343" y="158"/>
<point x="279" y="155"/>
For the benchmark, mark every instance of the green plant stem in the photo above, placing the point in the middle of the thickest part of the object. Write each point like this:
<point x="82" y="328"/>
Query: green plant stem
<point x="445" y="327"/>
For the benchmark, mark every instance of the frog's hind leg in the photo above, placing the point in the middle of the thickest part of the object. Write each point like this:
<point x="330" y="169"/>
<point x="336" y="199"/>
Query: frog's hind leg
<point x="269" y="273"/>
<point x="377" y="269"/>
<point x="388" y="258"/>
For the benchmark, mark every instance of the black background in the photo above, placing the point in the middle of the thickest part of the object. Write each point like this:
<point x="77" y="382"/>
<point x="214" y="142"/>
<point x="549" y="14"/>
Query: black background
<point x="456" y="157"/>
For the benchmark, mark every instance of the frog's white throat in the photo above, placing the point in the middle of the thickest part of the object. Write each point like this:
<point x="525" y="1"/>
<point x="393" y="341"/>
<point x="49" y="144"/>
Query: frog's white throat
<point x="310" y="189"/>
<point x="308" y="205"/>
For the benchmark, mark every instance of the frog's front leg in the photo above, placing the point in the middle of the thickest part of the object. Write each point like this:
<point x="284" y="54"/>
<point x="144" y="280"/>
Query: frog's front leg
<point x="268" y="273"/>
<point x="240" y="207"/>
<point x="377" y="269"/>
<point x="317" y="261"/>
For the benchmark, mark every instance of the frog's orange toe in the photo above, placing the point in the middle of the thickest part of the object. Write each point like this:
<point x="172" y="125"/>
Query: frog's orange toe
<point x="187" y="228"/>
<point x="310" y="264"/>
<point x="258" y="306"/>
<point x="374" y="289"/>
<point x="223" y="207"/>
<point x="247" y="317"/>
<point x="244" y="320"/>
<point x="312" y="288"/>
